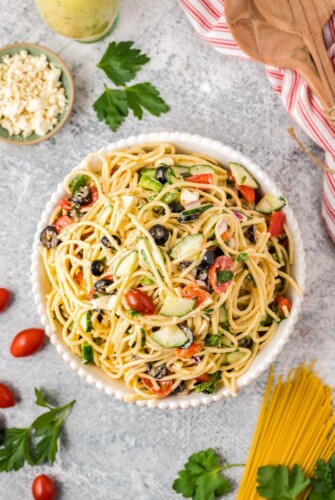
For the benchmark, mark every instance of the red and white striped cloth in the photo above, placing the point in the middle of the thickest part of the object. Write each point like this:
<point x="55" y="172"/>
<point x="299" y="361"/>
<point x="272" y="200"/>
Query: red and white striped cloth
<point x="208" y="19"/>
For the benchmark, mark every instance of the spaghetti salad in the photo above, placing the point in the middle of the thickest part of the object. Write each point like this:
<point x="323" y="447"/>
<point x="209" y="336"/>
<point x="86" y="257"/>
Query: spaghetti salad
<point x="167" y="270"/>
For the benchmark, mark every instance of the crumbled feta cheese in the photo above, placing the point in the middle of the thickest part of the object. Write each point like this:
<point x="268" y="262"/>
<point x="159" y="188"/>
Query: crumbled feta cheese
<point x="187" y="197"/>
<point x="31" y="94"/>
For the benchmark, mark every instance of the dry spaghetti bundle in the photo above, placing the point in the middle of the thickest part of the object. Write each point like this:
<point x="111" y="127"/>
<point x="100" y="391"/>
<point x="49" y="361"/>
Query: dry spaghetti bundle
<point x="295" y="426"/>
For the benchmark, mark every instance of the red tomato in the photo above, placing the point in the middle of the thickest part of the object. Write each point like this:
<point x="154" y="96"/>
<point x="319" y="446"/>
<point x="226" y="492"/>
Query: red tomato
<point x="27" y="342"/>
<point x="62" y="222"/>
<point x="165" y="387"/>
<point x="221" y="263"/>
<point x="43" y="488"/>
<point x="195" y="292"/>
<point x="65" y="203"/>
<point x="276" y="224"/>
<point x="225" y="236"/>
<point x="6" y="397"/>
<point x="188" y="352"/>
<point x="78" y="275"/>
<point x="282" y="302"/>
<point x="95" y="196"/>
<point x="201" y="178"/>
<point x="203" y="378"/>
<point x="4" y="298"/>
<point x="140" y="302"/>
<point x="248" y="193"/>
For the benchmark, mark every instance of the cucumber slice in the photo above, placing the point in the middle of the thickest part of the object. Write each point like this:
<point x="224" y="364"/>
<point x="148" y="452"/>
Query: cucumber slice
<point x="232" y="357"/>
<point x="242" y="176"/>
<point x="223" y="315"/>
<point x="127" y="264"/>
<point x="187" y="247"/>
<point x="176" y="306"/>
<point x="170" y="176"/>
<point x="86" y="321"/>
<point x="180" y="171"/>
<point x="170" y="336"/>
<point x="142" y="249"/>
<point x="193" y="213"/>
<point x="149" y="172"/>
<point x="201" y="169"/>
<point x="270" y="203"/>
<point x="150" y="183"/>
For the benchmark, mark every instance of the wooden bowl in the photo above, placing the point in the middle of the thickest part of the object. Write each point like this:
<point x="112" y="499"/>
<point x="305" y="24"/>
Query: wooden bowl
<point x="67" y="83"/>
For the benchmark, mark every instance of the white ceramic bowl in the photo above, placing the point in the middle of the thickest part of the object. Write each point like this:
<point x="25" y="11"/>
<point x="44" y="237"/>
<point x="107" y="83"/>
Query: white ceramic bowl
<point x="95" y="376"/>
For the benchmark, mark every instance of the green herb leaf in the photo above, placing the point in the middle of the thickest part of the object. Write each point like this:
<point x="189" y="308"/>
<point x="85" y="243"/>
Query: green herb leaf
<point x="244" y="178"/>
<point x="278" y="483"/>
<point x="112" y="107"/>
<point x="201" y="478"/>
<point x="145" y="95"/>
<point x="209" y="387"/>
<point x="213" y="341"/>
<point x="242" y="257"/>
<point x="78" y="182"/>
<point x="121" y="62"/>
<point x="224" y="276"/>
<point x="17" y="445"/>
<point x="132" y="312"/>
<point x="15" y="450"/>
<point x="324" y="481"/>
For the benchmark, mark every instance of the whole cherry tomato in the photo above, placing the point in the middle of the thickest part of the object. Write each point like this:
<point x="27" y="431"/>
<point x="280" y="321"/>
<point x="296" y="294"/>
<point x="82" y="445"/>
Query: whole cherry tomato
<point x="43" y="488"/>
<point x="27" y="342"/>
<point x="6" y="397"/>
<point x="165" y="387"/>
<point x="140" y="302"/>
<point x="4" y="298"/>
<point x="188" y="352"/>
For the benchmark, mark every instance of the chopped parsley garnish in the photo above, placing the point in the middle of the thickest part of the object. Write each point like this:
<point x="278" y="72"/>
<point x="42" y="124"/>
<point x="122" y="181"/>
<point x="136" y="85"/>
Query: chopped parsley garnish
<point x="132" y="312"/>
<point x="78" y="182"/>
<point x="224" y="276"/>
<point x="244" y="178"/>
<point x="213" y="341"/>
<point x="242" y="257"/>
<point x="209" y="387"/>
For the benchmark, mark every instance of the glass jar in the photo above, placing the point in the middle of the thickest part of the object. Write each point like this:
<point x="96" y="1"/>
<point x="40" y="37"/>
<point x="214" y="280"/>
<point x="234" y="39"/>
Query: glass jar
<point x="82" y="20"/>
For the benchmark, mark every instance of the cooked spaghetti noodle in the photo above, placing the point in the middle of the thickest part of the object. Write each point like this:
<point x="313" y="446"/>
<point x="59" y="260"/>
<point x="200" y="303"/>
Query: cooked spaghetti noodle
<point x="228" y="310"/>
<point x="295" y="426"/>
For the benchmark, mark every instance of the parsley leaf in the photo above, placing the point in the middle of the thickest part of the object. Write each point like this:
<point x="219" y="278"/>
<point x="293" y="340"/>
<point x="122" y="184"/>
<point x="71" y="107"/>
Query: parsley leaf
<point x="224" y="276"/>
<point x="145" y="95"/>
<point x="35" y="444"/>
<point x="201" y="479"/>
<point x="278" y="483"/>
<point x="121" y="62"/>
<point x="213" y="341"/>
<point x="324" y="482"/>
<point x="112" y="107"/>
<point x="209" y="387"/>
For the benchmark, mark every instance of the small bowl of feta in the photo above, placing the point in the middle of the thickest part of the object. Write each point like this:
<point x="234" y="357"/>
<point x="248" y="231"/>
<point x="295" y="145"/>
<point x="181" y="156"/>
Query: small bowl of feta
<point x="36" y="93"/>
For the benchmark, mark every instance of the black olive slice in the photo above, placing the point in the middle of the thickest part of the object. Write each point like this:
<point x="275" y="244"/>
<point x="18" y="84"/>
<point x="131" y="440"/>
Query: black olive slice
<point x="156" y="372"/>
<point x="101" y="286"/>
<point x="189" y="334"/>
<point x="49" y="237"/>
<point x="82" y="196"/>
<point x="159" y="233"/>
<point x="97" y="268"/>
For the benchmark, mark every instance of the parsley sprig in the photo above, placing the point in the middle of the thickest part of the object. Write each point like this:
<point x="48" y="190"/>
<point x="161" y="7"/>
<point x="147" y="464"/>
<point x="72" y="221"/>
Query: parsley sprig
<point x="35" y="444"/>
<point x="201" y="479"/>
<point x="281" y="483"/>
<point x="121" y="62"/>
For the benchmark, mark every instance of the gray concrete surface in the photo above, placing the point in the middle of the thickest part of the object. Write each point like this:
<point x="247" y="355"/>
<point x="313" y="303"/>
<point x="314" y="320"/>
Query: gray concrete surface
<point x="110" y="450"/>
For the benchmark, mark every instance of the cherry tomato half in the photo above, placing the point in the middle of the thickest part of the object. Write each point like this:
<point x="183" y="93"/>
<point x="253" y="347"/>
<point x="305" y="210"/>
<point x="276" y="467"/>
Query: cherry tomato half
<point x="140" y="302"/>
<point x="165" y="387"/>
<point x="218" y="273"/>
<point x="27" y="342"/>
<point x="248" y="193"/>
<point x="225" y="236"/>
<point x="195" y="292"/>
<point x="283" y="302"/>
<point x="65" y="203"/>
<point x="276" y="224"/>
<point x="203" y="378"/>
<point x="43" y="488"/>
<point x="6" y="397"/>
<point x="4" y="298"/>
<point x="201" y="178"/>
<point x="62" y="222"/>
<point x="188" y="352"/>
